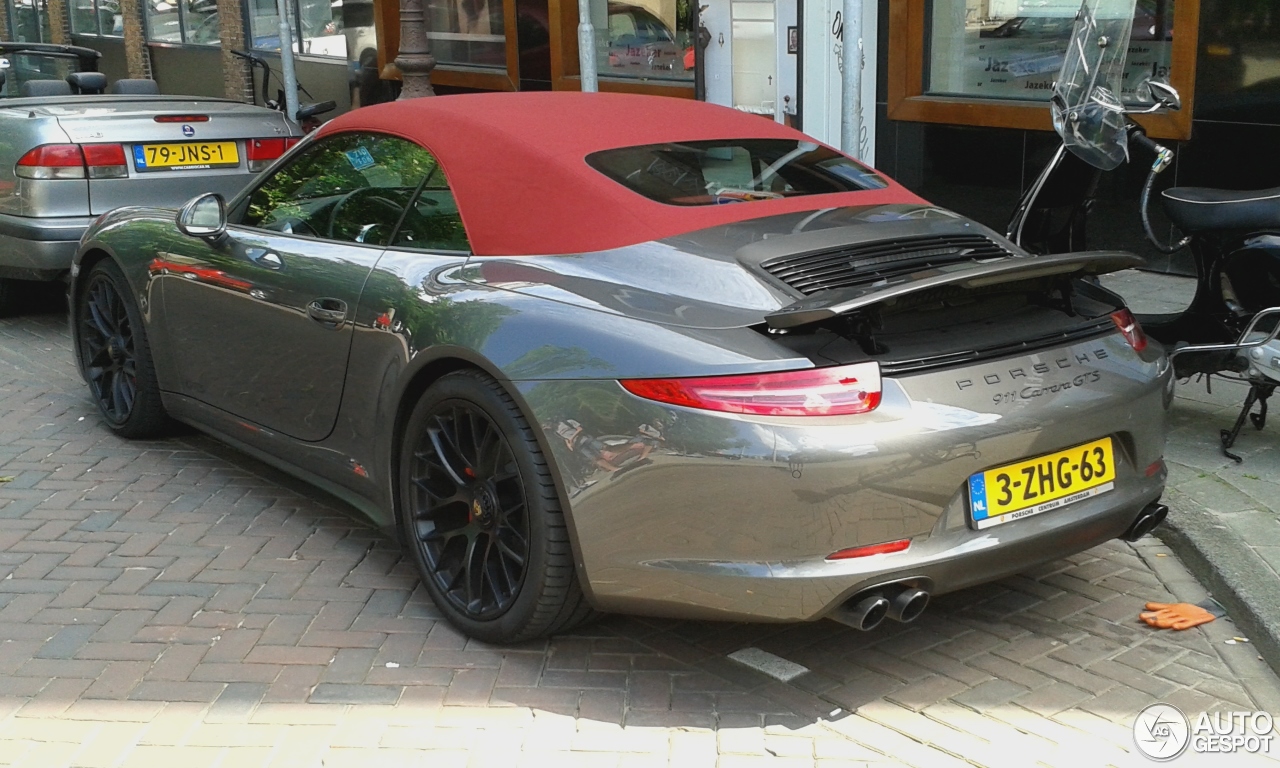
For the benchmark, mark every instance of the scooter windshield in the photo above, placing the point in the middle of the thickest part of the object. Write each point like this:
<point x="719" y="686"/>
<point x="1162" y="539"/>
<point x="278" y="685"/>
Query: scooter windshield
<point x="1086" y="107"/>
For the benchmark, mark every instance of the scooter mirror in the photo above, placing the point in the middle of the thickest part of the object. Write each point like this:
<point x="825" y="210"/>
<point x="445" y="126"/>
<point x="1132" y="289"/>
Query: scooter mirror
<point x="1164" y="95"/>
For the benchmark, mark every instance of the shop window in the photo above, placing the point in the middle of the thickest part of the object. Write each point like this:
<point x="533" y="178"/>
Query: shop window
<point x="467" y="32"/>
<point x="30" y="21"/>
<point x="648" y="39"/>
<point x="993" y="62"/>
<point x="323" y="31"/>
<point x="1012" y="50"/>
<point x="183" y="21"/>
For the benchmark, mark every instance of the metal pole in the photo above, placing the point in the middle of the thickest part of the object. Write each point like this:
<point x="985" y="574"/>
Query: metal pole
<point x="587" y="48"/>
<point x="415" y="61"/>
<point x="851" y="112"/>
<point x="287" y="73"/>
<point x="699" y="51"/>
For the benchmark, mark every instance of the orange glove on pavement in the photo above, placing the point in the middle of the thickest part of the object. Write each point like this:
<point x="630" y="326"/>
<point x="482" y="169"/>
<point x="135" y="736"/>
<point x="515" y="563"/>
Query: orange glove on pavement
<point x="1175" y="615"/>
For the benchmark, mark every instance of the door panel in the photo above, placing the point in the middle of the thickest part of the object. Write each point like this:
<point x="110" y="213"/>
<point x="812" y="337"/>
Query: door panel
<point x="246" y="332"/>
<point x="261" y="320"/>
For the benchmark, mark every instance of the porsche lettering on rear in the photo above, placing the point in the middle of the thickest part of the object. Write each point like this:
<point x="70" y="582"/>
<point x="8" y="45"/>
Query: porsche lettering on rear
<point x="1037" y="368"/>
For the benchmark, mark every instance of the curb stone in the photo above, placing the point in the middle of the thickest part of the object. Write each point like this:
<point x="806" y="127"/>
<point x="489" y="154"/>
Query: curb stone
<point x="1232" y="572"/>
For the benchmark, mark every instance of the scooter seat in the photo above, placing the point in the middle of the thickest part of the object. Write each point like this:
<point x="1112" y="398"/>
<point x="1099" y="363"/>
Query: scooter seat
<point x="1196" y="209"/>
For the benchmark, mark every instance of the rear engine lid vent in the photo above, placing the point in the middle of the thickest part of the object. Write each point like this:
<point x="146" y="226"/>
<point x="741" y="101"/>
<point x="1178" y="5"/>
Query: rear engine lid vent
<point x="855" y="265"/>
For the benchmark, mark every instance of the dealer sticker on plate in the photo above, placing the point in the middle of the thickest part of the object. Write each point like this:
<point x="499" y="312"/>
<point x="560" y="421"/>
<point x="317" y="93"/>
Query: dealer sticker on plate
<point x="1032" y="486"/>
<point x="186" y="157"/>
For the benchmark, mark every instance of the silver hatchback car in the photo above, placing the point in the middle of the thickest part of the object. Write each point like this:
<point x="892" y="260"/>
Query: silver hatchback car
<point x="74" y="148"/>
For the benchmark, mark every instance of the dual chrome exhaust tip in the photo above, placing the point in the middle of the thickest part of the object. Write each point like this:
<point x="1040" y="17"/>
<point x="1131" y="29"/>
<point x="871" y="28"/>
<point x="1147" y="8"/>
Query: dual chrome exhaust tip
<point x="1151" y="516"/>
<point x="904" y="603"/>
<point x="866" y="610"/>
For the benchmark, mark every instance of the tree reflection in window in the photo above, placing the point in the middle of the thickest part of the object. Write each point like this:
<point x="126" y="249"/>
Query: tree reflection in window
<point x="355" y="187"/>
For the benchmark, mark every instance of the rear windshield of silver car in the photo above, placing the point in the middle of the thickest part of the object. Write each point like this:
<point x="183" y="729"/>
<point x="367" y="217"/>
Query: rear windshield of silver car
<point x="733" y="170"/>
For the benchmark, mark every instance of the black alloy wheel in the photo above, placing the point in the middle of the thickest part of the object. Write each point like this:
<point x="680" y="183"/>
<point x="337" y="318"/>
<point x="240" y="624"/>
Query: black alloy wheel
<point x="470" y="512"/>
<point x="481" y="515"/>
<point x="111" y="363"/>
<point x="114" y="355"/>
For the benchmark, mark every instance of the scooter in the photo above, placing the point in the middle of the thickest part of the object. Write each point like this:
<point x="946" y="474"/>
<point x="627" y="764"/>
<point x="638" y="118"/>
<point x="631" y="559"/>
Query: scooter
<point x="1231" y="326"/>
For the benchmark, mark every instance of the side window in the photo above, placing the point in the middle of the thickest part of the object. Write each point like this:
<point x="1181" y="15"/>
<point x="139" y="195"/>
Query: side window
<point x="351" y="187"/>
<point x="432" y="222"/>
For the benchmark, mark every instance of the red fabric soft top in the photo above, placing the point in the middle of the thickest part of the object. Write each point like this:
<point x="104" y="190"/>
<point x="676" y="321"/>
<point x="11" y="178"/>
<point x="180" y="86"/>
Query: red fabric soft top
<point x="516" y="164"/>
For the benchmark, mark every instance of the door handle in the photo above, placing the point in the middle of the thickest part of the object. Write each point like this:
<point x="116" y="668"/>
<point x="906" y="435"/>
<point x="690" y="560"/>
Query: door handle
<point x="333" y="311"/>
<point x="264" y="258"/>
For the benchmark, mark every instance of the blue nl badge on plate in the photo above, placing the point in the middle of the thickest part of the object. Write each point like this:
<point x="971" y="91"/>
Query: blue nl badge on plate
<point x="359" y="158"/>
<point x="139" y="157"/>
<point x="978" y="496"/>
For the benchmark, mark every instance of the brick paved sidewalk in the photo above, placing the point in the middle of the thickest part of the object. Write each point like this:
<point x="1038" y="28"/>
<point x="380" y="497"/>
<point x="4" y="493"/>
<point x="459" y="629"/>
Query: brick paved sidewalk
<point x="177" y="603"/>
<point x="1226" y="518"/>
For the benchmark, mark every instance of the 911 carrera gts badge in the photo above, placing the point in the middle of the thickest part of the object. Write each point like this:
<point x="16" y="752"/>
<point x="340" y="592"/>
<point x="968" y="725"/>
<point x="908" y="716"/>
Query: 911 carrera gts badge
<point x="1013" y="374"/>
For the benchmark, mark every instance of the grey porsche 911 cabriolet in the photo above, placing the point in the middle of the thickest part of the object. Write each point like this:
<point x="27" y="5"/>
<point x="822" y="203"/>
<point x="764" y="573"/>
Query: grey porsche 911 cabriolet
<point x="605" y="352"/>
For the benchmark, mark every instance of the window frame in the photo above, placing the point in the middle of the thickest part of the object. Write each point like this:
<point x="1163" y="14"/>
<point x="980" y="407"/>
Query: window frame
<point x="386" y="17"/>
<point x="907" y="101"/>
<point x="182" y="40"/>
<point x="42" y="17"/>
<point x="295" y="6"/>
<point x="566" y="72"/>
<point x="97" y="21"/>
<point x="239" y="207"/>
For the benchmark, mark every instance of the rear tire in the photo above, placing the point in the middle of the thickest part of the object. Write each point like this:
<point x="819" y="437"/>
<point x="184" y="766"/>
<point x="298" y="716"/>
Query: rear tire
<point x="8" y="297"/>
<point x="481" y="517"/>
<point x="111" y="341"/>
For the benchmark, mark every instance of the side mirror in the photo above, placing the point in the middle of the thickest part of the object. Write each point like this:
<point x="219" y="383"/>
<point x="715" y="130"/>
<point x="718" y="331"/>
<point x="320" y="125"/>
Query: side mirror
<point x="204" y="216"/>
<point x="1164" y="95"/>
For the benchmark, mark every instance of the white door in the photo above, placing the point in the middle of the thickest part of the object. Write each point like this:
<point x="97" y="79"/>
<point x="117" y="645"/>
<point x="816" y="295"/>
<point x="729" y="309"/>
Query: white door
<point x="755" y="56"/>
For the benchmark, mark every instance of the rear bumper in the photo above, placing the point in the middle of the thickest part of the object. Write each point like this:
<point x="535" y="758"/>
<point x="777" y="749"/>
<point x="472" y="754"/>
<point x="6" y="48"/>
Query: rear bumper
<point x="39" y="248"/>
<point x="726" y="517"/>
<point x="944" y="561"/>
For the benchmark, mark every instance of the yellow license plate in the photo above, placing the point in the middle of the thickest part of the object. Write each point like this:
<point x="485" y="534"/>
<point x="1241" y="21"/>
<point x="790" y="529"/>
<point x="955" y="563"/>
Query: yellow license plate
<point x="1037" y="485"/>
<point x="199" y="154"/>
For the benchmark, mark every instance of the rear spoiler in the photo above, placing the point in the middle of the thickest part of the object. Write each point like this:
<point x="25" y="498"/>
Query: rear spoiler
<point x="968" y="274"/>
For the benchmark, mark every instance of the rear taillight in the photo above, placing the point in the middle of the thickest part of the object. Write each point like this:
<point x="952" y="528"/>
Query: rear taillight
<point x="1132" y="330"/>
<point x="182" y="118"/>
<point x="105" y="161"/>
<point x="73" y="161"/>
<point x="52" y="161"/>
<point x="837" y="391"/>
<point x="262" y="152"/>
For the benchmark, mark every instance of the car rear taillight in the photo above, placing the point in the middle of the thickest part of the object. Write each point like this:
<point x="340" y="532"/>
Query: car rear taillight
<point x="838" y="391"/>
<point x="871" y="549"/>
<point x="105" y="161"/>
<point x="52" y="161"/>
<point x="1132" y="330"/>
<point x="182" y="118"/>
<point x="263" y="152"/>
